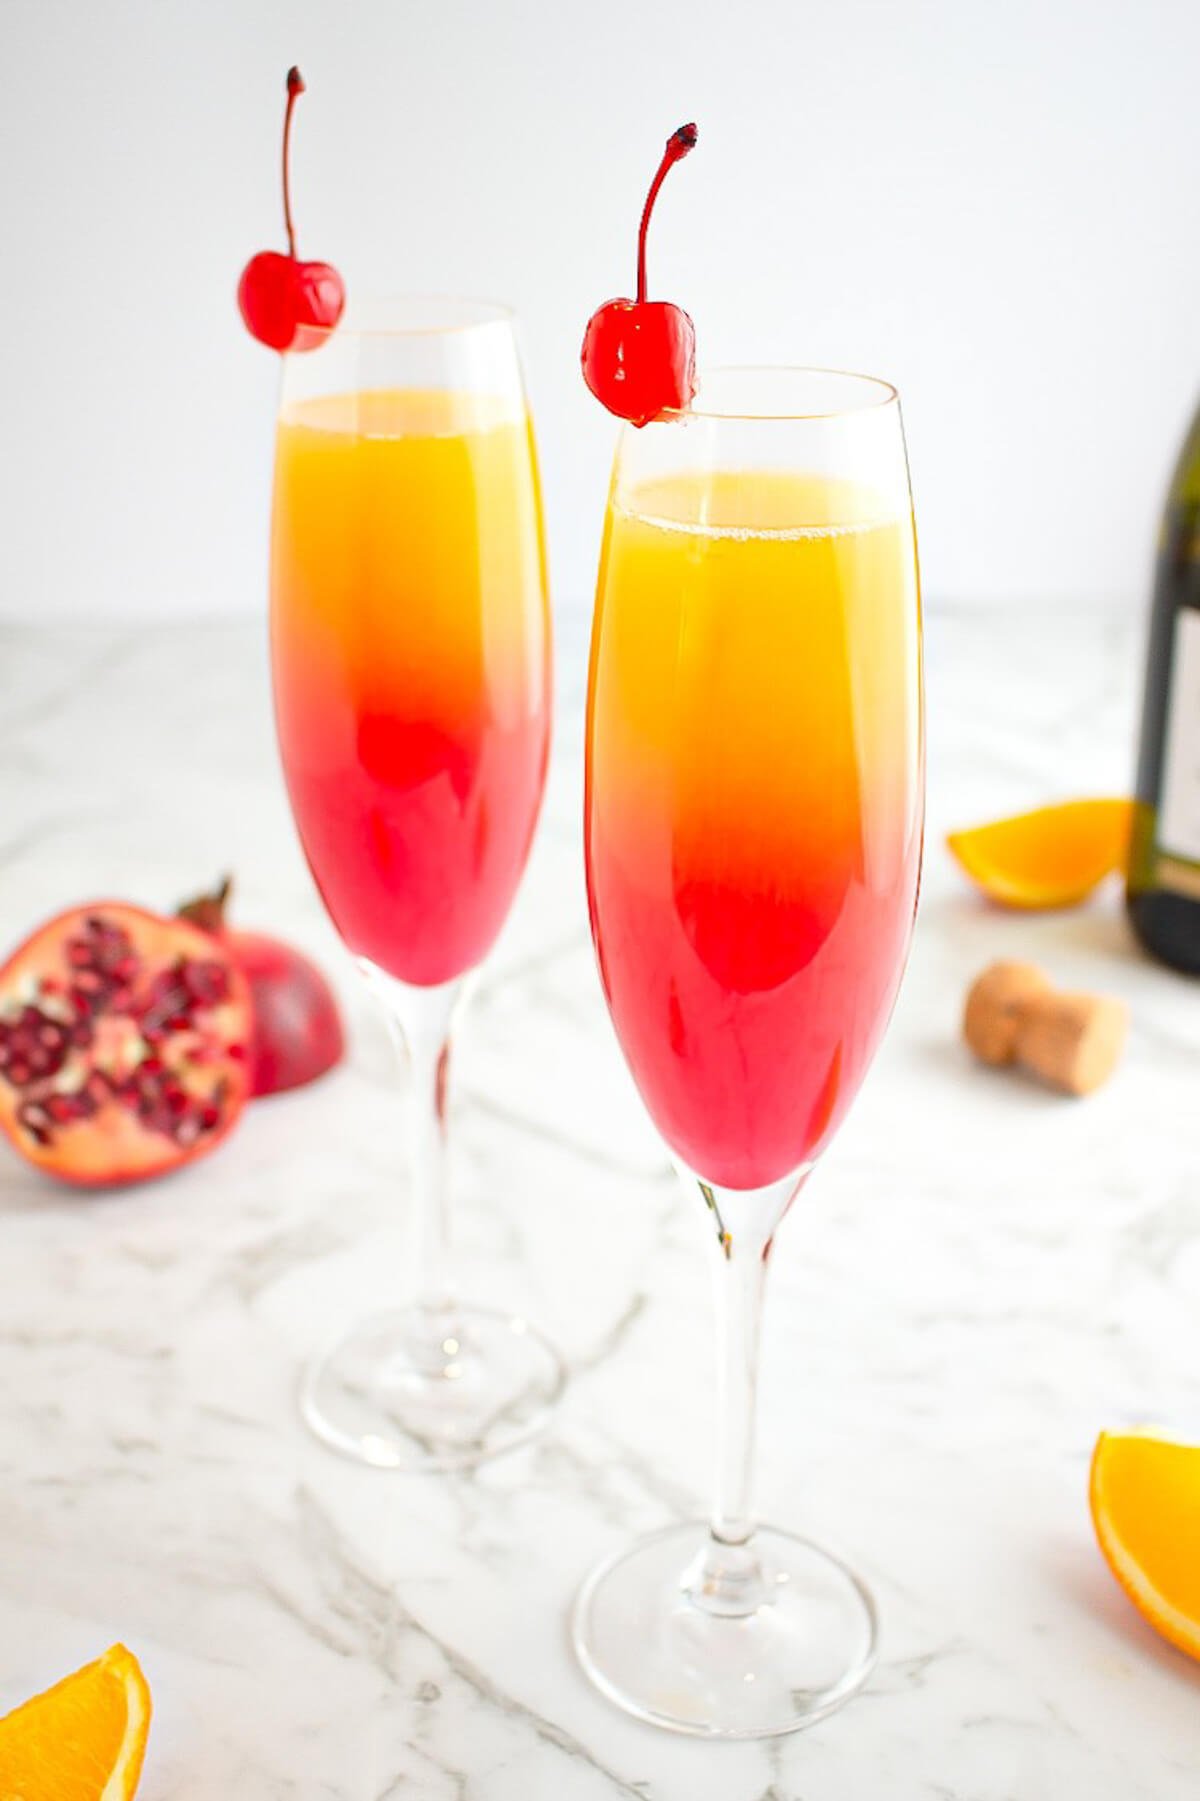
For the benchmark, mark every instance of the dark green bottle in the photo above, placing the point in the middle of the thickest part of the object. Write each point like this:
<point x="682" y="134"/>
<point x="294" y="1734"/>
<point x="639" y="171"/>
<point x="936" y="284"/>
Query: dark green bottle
<point x="1164" y="862"/>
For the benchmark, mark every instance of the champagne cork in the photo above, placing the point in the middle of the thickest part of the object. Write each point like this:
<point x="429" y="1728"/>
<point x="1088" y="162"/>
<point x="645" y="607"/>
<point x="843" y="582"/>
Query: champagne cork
<point x="995" y="1002"/>
<point x="1072" y="1042"/>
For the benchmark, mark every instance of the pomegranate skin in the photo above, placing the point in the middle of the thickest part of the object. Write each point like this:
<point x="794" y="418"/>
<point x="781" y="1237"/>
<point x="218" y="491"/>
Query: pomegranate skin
<point x="297" y="1033"/>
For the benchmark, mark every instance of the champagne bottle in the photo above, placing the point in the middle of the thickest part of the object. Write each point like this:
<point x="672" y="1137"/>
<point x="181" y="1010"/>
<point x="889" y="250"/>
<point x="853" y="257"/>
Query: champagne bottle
<point x="1164" y="861"/>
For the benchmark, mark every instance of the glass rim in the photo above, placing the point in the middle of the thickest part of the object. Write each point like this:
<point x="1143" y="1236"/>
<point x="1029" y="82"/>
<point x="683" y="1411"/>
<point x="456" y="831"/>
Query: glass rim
<point x="459" y="313"/>
<point x="881" y="394"/>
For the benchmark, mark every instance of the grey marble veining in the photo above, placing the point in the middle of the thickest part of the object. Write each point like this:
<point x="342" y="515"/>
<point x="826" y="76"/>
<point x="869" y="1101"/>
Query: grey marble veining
<point x="980" y="1278"/>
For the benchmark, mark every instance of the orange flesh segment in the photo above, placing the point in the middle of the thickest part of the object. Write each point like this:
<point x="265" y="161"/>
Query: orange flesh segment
<point x="82" y="1740"/>
<point x="1145" y="1501"/>
<point x="1052" y="857"/>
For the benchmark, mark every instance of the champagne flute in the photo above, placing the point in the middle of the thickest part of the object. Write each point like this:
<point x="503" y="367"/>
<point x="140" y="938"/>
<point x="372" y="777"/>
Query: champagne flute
<point x="410" y="641"/>
<point x="753" y="822"/>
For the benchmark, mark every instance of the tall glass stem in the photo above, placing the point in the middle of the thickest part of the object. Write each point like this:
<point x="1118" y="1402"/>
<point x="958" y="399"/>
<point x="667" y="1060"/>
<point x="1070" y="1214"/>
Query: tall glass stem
<point x="728" y="1578"/>
<point x="421" y="1022"/>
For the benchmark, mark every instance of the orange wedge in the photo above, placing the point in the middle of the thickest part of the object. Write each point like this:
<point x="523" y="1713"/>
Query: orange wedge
<point x="83" y="1740"/>
<point x="1052" y="857"/>
<point x="1145" y="1500"/>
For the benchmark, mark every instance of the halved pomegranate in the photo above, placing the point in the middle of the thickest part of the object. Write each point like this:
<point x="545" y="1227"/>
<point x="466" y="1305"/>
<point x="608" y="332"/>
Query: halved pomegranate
<point x="122" y="1045"/>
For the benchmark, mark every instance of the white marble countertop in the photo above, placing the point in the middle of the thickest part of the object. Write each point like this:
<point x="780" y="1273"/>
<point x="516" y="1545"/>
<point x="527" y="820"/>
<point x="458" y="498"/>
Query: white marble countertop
<point x="980" y="1278"/>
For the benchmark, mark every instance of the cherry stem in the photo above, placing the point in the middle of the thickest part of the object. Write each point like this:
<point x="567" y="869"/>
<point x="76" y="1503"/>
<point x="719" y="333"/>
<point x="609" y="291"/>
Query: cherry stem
<point x="678" y="145"/>
<point x="295" y="87"/>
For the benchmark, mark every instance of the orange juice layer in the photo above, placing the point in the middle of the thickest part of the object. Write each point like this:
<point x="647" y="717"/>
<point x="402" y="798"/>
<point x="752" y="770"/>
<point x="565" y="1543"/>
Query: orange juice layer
<point x="410" y="645"/>
<point x="753" y="815"/>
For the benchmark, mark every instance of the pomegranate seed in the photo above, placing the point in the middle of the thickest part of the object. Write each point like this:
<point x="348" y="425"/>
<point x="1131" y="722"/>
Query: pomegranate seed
<point x="205" y="982"/>
<point x="36" y="1121"/>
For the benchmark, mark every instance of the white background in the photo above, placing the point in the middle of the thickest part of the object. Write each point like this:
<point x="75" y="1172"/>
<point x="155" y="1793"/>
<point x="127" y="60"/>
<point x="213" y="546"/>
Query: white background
<point x="994" y="204"/>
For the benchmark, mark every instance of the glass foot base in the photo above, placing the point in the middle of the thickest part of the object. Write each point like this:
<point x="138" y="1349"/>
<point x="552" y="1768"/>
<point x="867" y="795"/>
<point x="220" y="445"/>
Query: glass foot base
<point x="807" y="1643"/>
<point x="422" y="1389"/>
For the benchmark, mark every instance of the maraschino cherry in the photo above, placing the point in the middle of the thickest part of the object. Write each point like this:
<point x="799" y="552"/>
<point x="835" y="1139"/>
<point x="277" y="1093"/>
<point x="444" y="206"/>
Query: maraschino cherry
<point x="639" y="356"/>
<point x="287" y="304"/>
